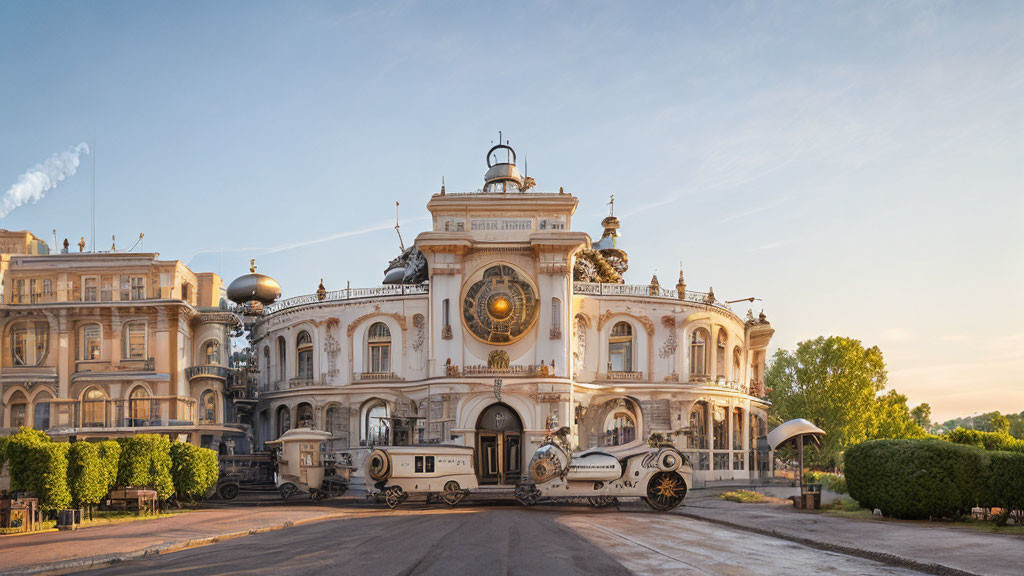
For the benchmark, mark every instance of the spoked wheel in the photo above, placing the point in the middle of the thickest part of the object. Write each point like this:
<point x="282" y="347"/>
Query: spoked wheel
<point x="452" y="494"/>
<point x="665" y="491"/>
<point x="316" y="496"/>
<point x="527" y="494"/>
<point x="288" y="490"/>
<point x="394" y="496"/>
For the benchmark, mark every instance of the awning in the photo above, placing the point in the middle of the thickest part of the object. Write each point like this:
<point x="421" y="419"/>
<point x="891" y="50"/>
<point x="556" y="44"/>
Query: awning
<point x="792" y="429"/>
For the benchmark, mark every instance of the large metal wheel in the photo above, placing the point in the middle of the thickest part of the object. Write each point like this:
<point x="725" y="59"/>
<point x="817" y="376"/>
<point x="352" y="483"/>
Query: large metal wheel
<point x="228" y="491"/>
<point x="452" y="494"/>
<point x="393" y="496"/>
<point x="665" y="491"/>
<point x="288" y="490"/>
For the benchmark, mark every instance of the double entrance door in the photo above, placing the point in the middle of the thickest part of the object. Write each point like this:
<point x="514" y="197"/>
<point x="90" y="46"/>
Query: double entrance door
<point x="499" y="457"/>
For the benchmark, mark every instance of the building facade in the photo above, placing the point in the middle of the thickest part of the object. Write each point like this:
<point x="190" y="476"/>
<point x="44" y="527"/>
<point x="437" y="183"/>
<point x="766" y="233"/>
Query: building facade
<point x="503" y="323"/>
<point x="105" y="344"/>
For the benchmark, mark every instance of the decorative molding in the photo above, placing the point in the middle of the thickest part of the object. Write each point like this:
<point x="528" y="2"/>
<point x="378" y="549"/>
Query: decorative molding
<point x="376" y="312"/>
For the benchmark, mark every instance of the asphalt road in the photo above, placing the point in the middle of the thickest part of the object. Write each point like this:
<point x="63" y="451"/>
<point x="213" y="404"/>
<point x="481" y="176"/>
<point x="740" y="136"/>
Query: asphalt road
<point x="502" y="540"/>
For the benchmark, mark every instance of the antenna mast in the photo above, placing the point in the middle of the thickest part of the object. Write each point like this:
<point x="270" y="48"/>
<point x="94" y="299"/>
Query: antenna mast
<point x="92" y="235"/>
<point x="401" y="245"/>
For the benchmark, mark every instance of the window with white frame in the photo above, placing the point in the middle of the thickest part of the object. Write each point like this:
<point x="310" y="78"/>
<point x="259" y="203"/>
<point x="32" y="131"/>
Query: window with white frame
<point x="620" y="348"/>
<point x="698" y="352"/>
<point x="138" y="288"/>
<point x="29" y="342"/>
<point x="379" y="343"/>
<point x="304" y="355"/>
<point x="90" y="289"/>
<point x="133" y="341"/>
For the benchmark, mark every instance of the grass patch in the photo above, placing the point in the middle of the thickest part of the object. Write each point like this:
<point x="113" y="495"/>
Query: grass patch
<point x="44" y="525"/>
<point x="106" y="517"/>
<point x="744" y="496"/>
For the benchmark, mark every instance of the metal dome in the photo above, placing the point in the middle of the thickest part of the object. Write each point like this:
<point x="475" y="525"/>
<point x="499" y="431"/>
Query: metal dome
<point x="258" y="287"/>
<point x="498" y="173"/>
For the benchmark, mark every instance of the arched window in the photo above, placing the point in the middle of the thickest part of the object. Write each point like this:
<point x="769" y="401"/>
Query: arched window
<point x="720" y="351"/>
<point x="139" y="409"/>
<point x="92" y="338"/>
<point x="266" y="365"/>
<point x="304" y="415"/>
<point x="208" y="407"/>
<point x="375" y="423"/>
<point x="720" y="423"/>
<point x="737" y="362"/>
<point x="212" y="352"/>
<point x="698" y="352"/>
<point x="304" y="355"/>
<point x="28" y="343"/>
<point x="282" y="353"/>
<point x="330" y="416"/>
<point x="41" y="411"/>
<point x="620" y="428"/>
<point x="19" y="410"/>
<point x="699" y="426"/>
<point x="94" y="408"/>
<point x="133" y="341"/>
<point x="284" y="420"/>
<point x="379" y="342"/>
<point x="620" y="348"/>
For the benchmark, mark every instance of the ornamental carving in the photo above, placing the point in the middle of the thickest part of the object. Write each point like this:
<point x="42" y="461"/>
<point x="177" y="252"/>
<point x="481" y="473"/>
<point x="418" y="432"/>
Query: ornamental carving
<point x="418" y="323"/>
<point x="332" y="347"/>
<point x="376" y="312"/>
<point x="500" y="307"/>
<point x="643" y="320"/>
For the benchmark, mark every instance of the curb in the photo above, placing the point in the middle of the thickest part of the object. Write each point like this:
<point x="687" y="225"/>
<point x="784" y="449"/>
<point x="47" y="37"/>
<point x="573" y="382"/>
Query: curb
<point x="883" y="557"/>
<point x="90" y="562"/>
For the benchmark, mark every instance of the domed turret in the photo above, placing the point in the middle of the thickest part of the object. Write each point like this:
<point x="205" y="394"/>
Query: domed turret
<point x="254" y="287"/>
<point x="502" y="177"/>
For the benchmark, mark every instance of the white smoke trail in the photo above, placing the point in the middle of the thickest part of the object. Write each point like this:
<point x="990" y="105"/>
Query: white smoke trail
<point x="32" y="185"/>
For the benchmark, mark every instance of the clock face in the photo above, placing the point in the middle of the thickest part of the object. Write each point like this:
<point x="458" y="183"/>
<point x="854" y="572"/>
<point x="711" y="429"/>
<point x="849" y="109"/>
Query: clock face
<point x="500" y="307"/>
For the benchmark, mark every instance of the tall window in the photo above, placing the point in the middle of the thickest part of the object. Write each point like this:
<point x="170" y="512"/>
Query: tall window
<point x="699" y="426"/>
<point x="379" y="342"/>
<point x="92" y="337"/>
<point x="212" y="352"/>
<point x="284" y="420"/>
<point x="621" y="429"/>
<point x="139" y="408"/>
<point x="89" y="289"/>
<point x="720" y="352"/>
<point x="737" y="429"/>
<point x="556" y="317"/>
<point x="125" y="286"/>
<point x="620" y="348"/>
<point x="186" y="291"/>
<point x="266" y="364"/>
<point x="28" y="343"/>
<point x="375" y="424"/>
<point x="138" y="288"/>
<point x="282" y="353"/>
<point x="444" y="312"/>
<point x="19" y="410"/>
<point x="133" y="345"/>
<point x="720" y="421"/>
<point x="208" y="408"/>
<point x="304" y="354"/>
<point x="94" y="409"/>
<point x="41" y="411"/>
<point x="698" y="352"/>
<point x="737" y="361"/>
<point x="106" y="289"/>
<point x="47" y="287"/>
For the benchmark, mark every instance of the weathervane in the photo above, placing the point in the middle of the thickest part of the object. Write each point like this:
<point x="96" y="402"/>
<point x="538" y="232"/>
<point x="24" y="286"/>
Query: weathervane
<point x="611" y="205"/>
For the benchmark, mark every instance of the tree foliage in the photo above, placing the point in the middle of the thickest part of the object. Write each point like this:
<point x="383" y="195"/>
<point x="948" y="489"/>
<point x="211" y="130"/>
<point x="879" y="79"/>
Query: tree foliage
<point x="832" y="382"/>
<point x="923" y="415"/>
<point x="985" y="440"/>
<point x="40" y="466"/>
<point x="892" y="418"/>
<point x="109" y="453"/>
<point x="25" y="468"/>
<point x="145" y="461"/>
<point x="87" y="480"/>
<point x="193" y="469"/>
<point x="987" y="422"/>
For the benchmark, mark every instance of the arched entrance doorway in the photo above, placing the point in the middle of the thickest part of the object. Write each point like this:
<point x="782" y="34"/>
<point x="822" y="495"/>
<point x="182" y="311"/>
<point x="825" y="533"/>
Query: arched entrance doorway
<point x="499" y="443"/>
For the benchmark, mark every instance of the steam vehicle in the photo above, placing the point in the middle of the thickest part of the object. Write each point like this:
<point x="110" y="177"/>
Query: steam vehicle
<point x="303" y="469"/>
<point x="433" y="470"/>
<point x="654" y="471"/>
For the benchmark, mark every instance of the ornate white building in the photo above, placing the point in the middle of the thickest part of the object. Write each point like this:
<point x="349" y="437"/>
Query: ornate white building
<point x="491" y="330"/>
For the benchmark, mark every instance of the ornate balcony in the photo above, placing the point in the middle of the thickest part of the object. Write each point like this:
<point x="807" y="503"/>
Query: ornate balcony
<point x="208" y="371"/>
<point x="346" y="294"/>
<point x="376" y="377"/>
<point x="303" y="383"/>
<point x="623" y="376"/>
<point x="647" y="291"/>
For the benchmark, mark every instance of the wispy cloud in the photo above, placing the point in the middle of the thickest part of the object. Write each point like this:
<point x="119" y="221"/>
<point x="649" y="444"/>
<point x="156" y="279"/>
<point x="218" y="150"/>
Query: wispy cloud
<point x="773" y="245"/>
<point x="33" y="184"/>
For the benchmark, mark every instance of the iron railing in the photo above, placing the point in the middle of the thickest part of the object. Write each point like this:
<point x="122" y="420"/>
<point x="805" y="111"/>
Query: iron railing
<point x="347" y="294"/>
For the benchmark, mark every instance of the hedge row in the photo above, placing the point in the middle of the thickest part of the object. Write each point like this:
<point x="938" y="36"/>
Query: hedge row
<point x="987" y="440"/>
<point x="82" y="473"/>
<point x="932" y="478"/>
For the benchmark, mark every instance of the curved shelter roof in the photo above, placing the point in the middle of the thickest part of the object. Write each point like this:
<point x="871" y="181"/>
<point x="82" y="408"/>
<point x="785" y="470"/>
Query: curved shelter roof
<point x="792" y="429"/>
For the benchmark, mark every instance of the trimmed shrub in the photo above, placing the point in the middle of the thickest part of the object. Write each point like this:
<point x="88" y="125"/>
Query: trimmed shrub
<point x="109" y="453"/>
<point x="193" y="469"/>
<point x="916" y="478"/>
<point x="988" y="440"/>
<point x="145" y="462"/>
<point x="52" y="489"/>
<point x="1005" y="488"/>
<point x="25" y="468"/>
<point x="87" y="480"/>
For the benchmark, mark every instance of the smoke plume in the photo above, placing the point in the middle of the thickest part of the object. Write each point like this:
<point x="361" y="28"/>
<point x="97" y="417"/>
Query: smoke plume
<point x="33" y="184"/>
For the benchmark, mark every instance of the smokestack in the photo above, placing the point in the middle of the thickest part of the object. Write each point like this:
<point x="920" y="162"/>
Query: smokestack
<point x="33" y="184"/>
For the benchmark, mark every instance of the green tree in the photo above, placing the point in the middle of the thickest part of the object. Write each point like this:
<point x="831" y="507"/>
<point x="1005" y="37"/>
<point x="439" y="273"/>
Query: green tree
<point x="923" y="415"/>
<point x="996" y="422"/>
<point x="87" y="478"/>
<point x="40" y="466"/>
<point x="1017" y="425"/>
<point x="145" y="461"/>
<point x="892" y="418"/>
<point x="832" y="382"/>
<point x="109" y="453"/>
<point x="25" y="468"/>
<point x="194" y="470"/>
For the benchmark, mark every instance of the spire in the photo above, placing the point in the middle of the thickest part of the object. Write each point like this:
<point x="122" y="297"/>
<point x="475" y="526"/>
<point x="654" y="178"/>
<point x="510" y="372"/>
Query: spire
<point x="681" y="284"/>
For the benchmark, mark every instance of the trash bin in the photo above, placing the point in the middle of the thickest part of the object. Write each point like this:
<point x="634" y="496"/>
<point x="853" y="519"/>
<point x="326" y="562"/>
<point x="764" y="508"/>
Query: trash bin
<point x="810" y="496"/>
<point x="66" y="520"/>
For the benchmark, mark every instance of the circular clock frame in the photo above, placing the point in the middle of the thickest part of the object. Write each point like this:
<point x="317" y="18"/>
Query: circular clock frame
<point x="499" y="304"/>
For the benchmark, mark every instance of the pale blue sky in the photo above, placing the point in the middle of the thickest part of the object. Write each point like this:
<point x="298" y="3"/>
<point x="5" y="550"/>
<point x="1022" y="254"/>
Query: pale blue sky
<point x="860" y="165"/>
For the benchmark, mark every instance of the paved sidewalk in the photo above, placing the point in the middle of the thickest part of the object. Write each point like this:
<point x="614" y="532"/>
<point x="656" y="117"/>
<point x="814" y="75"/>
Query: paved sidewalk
<point x="920" y="545"/>
<point x="80" y="549"/>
